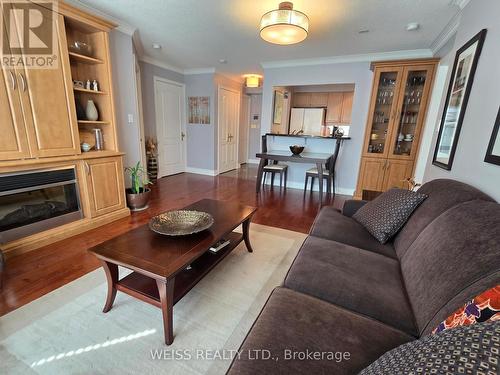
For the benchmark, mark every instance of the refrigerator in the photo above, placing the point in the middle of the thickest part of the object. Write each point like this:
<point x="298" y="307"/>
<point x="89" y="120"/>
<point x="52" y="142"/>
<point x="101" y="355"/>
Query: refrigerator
<point x="310" y="120"/>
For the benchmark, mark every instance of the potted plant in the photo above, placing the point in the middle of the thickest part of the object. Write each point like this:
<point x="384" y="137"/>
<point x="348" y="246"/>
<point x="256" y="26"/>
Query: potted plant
<point x="138" y="194"/>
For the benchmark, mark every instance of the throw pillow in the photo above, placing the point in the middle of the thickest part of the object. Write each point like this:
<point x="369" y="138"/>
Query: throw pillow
<point x="472" y="349"/>
<point x="481" y="308"/>
<point x="384" y="216"/>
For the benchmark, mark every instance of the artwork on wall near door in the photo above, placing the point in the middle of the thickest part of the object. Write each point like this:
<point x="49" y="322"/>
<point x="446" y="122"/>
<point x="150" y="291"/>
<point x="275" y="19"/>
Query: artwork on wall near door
<point x="462" y="77"/>
<point x="199" y="110"/>
<point x="493" y="152"/>
<point x="278" y="107"/>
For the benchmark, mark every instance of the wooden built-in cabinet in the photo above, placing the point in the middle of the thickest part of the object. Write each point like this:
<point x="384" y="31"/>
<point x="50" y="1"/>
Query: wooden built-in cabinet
<point x="105" y="185"/>
<point x="40" y="129"/>
<point x="398" y="107"/>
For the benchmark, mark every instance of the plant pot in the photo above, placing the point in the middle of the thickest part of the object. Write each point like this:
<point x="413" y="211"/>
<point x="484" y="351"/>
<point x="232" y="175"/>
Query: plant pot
<point x="138" y="202"/>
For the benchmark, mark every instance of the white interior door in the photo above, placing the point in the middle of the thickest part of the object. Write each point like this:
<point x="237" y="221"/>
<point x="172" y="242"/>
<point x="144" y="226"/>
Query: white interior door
<point x="169" y="103"/>
<point x="229" y="108"/>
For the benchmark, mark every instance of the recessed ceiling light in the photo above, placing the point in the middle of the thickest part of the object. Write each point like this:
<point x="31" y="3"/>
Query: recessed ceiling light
<point x="412" y="26"/>
<point x="156" y="45"/>
<point x="223" y="61"/>
<point x="363" y="31"/>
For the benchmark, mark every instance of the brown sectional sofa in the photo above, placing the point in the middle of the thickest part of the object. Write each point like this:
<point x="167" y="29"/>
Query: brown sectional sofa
<point x="347" y="299"/>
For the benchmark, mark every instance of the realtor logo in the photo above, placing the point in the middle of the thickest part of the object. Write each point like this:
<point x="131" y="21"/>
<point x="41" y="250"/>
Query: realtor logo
<point x="29" y="35"/>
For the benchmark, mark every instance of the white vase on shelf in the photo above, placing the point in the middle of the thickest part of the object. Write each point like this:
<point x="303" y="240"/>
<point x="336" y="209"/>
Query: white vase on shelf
<point x="91" y="111"/>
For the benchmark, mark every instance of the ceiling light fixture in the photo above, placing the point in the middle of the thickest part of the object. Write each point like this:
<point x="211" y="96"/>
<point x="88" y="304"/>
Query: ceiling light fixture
<point x="156" y="46"/>
<point x="284" y="25"/>
<point x="412" y="26"/>
<point x="252" y="80"/>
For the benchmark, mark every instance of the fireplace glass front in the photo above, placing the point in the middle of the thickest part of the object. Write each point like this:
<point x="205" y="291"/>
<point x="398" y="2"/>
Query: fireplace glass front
<point x="37" y="201"/>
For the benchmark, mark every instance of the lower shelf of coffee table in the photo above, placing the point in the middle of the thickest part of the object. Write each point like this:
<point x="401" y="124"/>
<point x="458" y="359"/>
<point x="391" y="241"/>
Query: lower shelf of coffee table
<point x="145" y="289"/>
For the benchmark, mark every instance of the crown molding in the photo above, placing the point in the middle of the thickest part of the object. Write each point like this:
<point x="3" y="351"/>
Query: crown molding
<point x="199" y="71"/>
<point x="451" y="28"/>
<point x="369" y="57"/>
<point x="123" y="26"/>
<point x="161" y="64"/>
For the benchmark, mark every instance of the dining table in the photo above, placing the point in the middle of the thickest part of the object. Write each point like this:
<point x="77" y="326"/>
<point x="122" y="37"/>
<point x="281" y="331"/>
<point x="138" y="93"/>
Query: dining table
<point x="320" y="159"/>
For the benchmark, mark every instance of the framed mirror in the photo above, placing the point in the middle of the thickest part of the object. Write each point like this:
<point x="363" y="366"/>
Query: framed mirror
<point x="493" y="152"/>
<point x="462" y="77"/>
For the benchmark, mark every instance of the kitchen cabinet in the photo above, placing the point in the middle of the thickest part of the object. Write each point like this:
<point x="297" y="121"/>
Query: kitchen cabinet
<point x="105" y="187"/>
<point x="46" y="99"/>
<point x="399" y="101"/>
<point x="334" y="107"/>
<point x="319" y="99"/>
<point x="302" y="99"/>
<point x="347" y="99"/>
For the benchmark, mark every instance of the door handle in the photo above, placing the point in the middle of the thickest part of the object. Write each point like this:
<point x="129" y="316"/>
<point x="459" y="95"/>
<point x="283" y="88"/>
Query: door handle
<point x="12" y="80"/>
<point x="23" y="81"/>
<point x="182" y="136"/>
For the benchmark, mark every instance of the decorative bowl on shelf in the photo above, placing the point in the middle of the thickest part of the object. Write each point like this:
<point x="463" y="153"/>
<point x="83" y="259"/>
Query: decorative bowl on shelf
<point x="181" y="222"/>
<point x="81" y="48"/>
<point x="296" y="149"/>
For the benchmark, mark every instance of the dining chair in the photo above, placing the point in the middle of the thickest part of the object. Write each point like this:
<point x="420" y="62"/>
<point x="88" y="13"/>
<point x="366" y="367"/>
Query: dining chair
<point x="328" y="173"/>
<point x="274" y="168"/>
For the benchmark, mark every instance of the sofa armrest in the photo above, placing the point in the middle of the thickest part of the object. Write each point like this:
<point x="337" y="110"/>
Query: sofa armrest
<point x="351" y="206"/>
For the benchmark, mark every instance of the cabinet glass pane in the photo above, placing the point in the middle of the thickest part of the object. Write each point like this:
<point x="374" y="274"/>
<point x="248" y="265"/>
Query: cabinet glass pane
<point x="410" y="112"/>
<point x="382" y="112"/>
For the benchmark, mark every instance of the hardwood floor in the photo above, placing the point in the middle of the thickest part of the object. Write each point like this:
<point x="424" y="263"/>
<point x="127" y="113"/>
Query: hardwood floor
<point x="31" y="275"/>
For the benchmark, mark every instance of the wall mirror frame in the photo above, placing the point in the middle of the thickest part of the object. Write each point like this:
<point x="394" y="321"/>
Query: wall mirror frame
<point x="493" y="152"/>
<point x="462" y="77"/>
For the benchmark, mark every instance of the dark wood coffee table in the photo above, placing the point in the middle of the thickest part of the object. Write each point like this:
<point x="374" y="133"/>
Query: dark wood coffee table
<point x="159" y="262"/>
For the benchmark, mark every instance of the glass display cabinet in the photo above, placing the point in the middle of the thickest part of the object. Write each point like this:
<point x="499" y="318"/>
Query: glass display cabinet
<point x="398" y="106"/>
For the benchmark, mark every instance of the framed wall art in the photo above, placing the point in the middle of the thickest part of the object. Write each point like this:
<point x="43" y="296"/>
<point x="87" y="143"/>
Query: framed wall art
<point x="199" y="110"/>
<point x="493" y="152"/>
<point x="462" y="77"/>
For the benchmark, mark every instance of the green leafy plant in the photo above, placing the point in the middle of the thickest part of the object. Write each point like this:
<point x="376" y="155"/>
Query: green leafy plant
<point x="139" y="178"/>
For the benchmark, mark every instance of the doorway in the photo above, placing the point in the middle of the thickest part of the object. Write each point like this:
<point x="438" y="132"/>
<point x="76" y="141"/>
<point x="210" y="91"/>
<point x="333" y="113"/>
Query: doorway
<point x="169" y="107"/>
<point x="228" y="128"/>
<point x="244" y="126"/>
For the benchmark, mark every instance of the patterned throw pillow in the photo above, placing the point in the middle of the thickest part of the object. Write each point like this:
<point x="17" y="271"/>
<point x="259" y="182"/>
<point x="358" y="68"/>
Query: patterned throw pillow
<point x="384" y="216"/>
<point x="472" y="349"/>
<point x="482" y="308"/>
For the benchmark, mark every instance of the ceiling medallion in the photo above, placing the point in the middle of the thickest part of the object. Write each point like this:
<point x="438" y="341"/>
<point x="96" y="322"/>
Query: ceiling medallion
<point x="284" y="25"/>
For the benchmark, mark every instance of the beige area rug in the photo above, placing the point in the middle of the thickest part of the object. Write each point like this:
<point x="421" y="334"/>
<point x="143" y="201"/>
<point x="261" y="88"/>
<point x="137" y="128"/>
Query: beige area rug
<point x="65" y="332"/>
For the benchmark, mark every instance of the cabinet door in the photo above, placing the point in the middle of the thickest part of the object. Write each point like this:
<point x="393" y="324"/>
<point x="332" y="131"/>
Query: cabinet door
<point x="13" y="140"/>
<point x="302" y="99"/>
<point x="334" y="108"/>
<point x="347" y="98"/>
<point x="396" y="172"/>
<point x="382" y="112"/>
<point x="319" y="99"/>
<point x="105" y="185"/>
<point x="412" y="104"/>
<point x="47" y="99"/>
<point x="371" y="175"/>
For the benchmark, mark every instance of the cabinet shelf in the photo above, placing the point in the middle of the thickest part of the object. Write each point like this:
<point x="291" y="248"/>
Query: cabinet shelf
<point x="87" y="122"/>
<point x="84" y="59"/>
<point x="79" y="89"/>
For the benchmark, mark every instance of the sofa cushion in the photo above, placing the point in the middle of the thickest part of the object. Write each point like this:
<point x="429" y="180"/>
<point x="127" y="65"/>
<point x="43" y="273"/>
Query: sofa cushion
<point x="294" y="323"/>
<point x="385" y="215"/>
<point x="464" y="350"/>
<point x="455" y="258"/>
<point x="332" y="225"/>
<point x="480" y="309"/>
<point x="442" y="195"/>
<point x="356" y="279"/>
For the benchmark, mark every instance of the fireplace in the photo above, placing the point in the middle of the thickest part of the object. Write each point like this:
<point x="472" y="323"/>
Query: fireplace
<point x="31" y="202"/>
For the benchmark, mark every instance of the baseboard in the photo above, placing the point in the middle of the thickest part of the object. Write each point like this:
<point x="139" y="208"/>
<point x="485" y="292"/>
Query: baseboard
<point x="253" y="161"/>
<point x="300" y="185"/>
<point x="206" y="172"/>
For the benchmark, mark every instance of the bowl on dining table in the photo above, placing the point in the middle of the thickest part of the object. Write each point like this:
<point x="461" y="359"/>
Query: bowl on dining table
<point x="296" y="149"/>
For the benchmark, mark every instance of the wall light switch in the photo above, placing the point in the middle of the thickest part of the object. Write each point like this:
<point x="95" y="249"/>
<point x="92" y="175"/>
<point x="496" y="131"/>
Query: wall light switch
<point x="253" y="126"/>
<point x="130" y="118"/>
